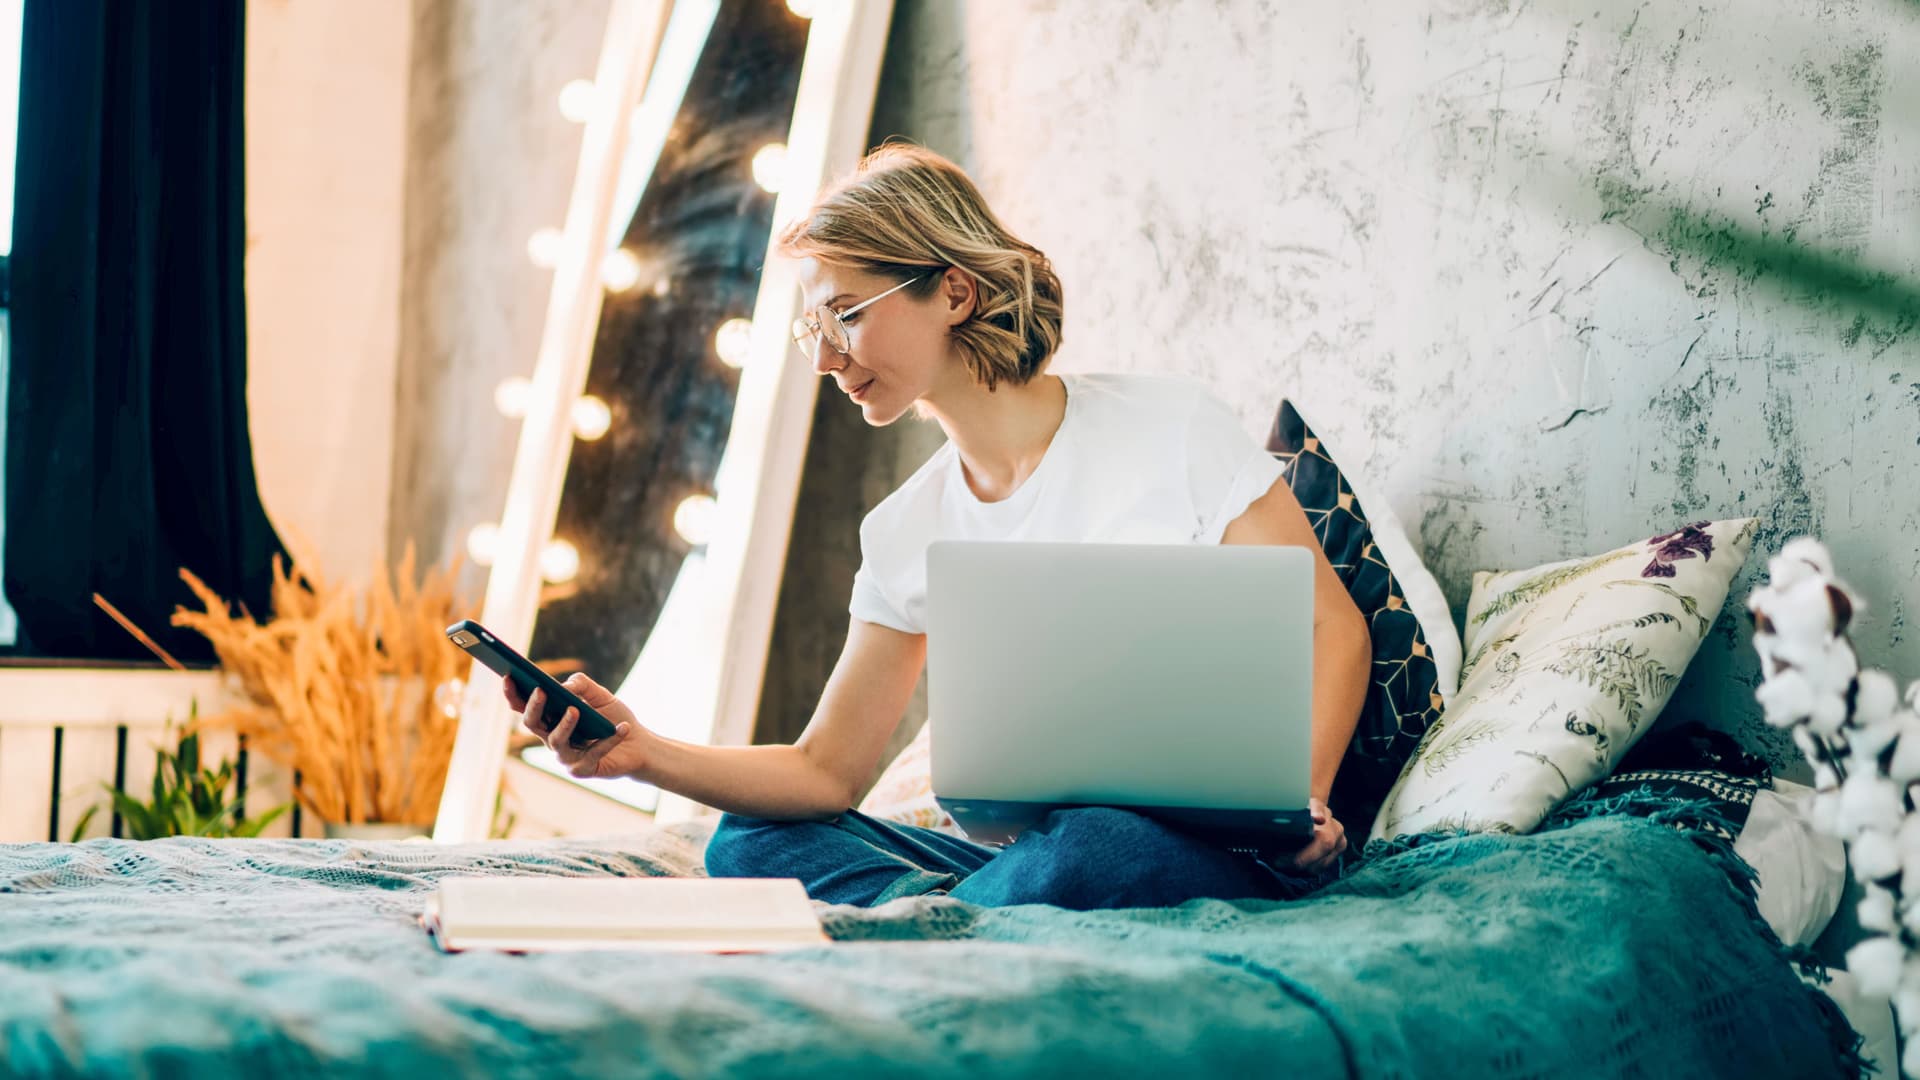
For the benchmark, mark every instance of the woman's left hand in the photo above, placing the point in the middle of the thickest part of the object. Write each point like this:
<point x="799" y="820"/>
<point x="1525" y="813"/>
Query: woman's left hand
<point x="1329" y="839"/>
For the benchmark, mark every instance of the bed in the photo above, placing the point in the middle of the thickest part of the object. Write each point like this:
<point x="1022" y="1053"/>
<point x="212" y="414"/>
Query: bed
<point x="1601" y="945"/>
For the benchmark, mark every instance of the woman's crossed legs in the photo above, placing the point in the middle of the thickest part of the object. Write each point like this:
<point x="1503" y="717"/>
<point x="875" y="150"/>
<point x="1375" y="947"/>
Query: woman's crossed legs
<point x="1080" y="858"/>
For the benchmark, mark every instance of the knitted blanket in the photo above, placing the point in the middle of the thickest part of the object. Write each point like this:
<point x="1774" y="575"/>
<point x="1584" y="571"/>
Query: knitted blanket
<point x="1601" y="947"/>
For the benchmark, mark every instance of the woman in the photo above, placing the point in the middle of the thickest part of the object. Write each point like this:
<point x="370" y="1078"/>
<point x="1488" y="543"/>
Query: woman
<point x="917" y="297"/>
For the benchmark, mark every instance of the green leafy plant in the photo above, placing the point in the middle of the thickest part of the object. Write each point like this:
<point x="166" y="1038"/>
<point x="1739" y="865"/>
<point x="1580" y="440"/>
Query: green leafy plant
<point x="188" y="800"/>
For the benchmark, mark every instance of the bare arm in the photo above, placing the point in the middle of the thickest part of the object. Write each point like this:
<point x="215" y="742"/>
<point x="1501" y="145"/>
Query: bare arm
<point x="820" y="773"/>
<point x="1342" y="648"/>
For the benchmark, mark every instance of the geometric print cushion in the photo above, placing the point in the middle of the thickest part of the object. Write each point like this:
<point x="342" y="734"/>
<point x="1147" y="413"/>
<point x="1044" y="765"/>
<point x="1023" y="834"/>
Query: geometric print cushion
<point x="1569" y="664"/>
<point x="1405" y="694"/>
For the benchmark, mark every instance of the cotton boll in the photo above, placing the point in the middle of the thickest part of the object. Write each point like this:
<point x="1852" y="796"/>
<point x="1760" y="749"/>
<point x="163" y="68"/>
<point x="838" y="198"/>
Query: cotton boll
<point x="1800" y="653"/>
<point x="1834" y="672"/>
<point x="1910" y="1058"/>
<point x="1906" y="1000"/>
<point x="1908" y="841"/>
<point x="1909" y="971"/>
<point x="1824" y="778"/>
<point x="1902" y="1012"/>
<point x="1876" y="699"/>
<point x="1815" y="752"/>
<point x="1867" y="740"/>
<point x="1876" y="910"/>
<point x="1876" y="963"/>
<point x="1905" y="766"/>
<point x="1802" y="613"/>
<point x="1784" y="573"/>
<point x="1874" y="855"/>
<point x="1910" y="872"/>
<point x="1823" y="813"/>
<point x="1869" y="802"/>
<point x="1829" y="712"/>
<point x="1808" y="745"/>
<point x="1807" y="550"/>
<point x="1786" y="697"/>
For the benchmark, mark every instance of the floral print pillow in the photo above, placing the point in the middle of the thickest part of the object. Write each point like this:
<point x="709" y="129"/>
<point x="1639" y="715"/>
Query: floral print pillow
<point x="1567" y="665"/>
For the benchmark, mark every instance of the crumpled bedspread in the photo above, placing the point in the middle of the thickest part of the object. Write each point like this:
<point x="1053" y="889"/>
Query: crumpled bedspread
<point x="1608" y="947"/>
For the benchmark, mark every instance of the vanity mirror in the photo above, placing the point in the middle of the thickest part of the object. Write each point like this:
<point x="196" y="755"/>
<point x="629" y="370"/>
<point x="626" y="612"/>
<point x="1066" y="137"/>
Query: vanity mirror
<point x="666" y="418"/>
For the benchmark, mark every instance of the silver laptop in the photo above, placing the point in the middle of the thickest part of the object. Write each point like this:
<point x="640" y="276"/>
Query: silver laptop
<point x="1172" y="680"/>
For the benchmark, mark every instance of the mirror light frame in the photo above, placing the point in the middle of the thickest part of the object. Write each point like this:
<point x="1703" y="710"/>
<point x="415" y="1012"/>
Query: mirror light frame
<point x="759" y="474"/>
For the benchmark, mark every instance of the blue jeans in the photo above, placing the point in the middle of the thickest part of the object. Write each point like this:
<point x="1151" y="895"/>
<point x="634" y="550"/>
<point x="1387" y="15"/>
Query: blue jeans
<point x="1080" y="858"/>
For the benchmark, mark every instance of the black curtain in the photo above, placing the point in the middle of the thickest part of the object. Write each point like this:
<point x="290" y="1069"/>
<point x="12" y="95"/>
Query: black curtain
<point x="127" y="451"/>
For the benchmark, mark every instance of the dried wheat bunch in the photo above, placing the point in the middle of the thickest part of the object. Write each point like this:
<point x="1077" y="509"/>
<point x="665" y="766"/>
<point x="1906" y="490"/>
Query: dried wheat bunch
<point x="357" y="693"/>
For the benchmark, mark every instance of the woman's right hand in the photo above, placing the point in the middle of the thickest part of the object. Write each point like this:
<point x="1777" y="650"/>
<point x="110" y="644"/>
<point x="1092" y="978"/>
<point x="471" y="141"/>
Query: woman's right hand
<point x="621" y="754"/>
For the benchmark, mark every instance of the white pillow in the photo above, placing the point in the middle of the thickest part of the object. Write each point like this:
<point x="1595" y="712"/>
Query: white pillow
<point x="1417" y="583"/>
<point x="1802" y="872"/>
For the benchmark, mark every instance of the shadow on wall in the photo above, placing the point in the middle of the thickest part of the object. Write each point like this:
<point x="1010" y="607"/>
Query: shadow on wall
<point x="1885" y="304"/>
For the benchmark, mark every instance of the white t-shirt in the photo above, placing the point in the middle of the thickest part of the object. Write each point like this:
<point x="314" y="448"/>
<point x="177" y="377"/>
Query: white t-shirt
<point x="1138" y="459"/>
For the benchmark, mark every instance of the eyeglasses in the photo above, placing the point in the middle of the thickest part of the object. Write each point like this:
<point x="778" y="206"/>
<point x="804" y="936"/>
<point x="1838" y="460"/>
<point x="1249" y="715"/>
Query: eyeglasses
<point x="824" y="323"/>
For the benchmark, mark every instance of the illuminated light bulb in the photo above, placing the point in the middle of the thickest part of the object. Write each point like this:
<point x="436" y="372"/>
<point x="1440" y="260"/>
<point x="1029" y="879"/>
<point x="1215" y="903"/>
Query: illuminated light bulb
<point x="591" y="418"/>
<point x="732" y="340"/>
<point x="693" y="519"/>
<point x="543" y="247"/>
<point x="559" y="561"/>
<point x="803" y="8"/>
<point x="770" y="166"/>
<point x="620" y="270"/>
<point x="513" y="396"/>
<point x="578" y="99"/>
<point x="483" y="543"/>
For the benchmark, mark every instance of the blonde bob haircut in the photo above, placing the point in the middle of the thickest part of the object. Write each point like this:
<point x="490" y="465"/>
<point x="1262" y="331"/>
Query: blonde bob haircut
<point x="906" y="209"/>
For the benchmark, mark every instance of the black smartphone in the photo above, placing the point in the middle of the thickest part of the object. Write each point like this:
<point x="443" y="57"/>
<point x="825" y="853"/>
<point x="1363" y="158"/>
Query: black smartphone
<point x="502" y="658"/>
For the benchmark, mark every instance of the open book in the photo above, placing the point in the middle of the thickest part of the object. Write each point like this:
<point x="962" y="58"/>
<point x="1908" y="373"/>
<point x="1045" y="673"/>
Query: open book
<point x="695" y="914"/>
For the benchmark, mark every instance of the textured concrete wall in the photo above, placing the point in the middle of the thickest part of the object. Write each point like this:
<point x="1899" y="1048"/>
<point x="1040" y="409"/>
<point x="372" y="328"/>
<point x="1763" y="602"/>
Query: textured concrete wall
<point x="1554" y="275"/>
<point x="489" y="160"/>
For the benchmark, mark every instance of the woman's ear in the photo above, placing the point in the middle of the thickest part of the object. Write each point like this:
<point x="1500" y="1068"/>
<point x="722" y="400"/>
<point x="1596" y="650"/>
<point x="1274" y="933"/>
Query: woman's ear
<point x="957" y="288"/>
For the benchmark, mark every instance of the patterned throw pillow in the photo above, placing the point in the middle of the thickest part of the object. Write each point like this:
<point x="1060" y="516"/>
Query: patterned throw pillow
<point x="1688" y="764"/>
<point x="1567" y="665"/>
<point x="1416" y="653"/>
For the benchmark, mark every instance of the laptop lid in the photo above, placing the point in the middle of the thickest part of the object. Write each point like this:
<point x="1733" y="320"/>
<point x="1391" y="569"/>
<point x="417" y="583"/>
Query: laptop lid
<point x="1132" y="674"/>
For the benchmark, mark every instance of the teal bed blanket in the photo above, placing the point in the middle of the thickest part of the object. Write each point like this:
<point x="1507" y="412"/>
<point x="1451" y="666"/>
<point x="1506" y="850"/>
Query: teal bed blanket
<point x="1609" y="947"/>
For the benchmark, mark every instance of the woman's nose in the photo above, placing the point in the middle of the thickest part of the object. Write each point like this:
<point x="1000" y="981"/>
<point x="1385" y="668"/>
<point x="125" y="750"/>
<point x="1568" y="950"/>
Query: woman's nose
<point x="828" y="360"/>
